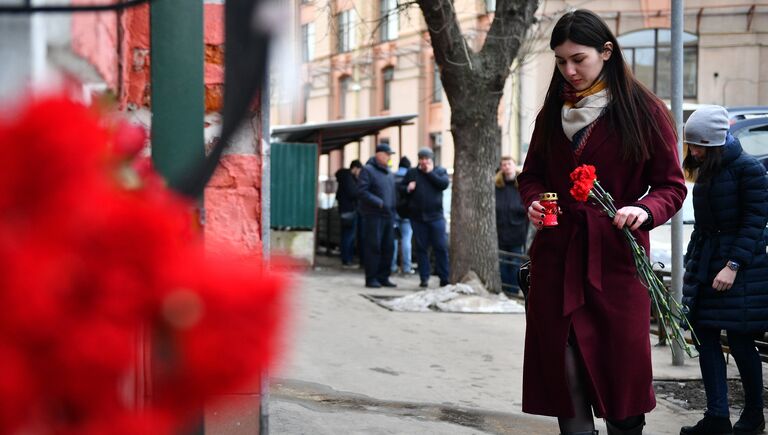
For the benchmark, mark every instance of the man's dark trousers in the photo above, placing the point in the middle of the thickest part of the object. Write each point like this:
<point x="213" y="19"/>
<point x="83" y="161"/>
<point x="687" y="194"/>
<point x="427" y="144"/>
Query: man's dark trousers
<point x="431" y="233"/>
<point x="379" y="239"/>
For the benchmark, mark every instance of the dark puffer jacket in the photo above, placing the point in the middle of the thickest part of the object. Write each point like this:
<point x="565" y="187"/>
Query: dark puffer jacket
<point x="426" y="201"/>
<point x="376" y="190"/>
<point x="731" y="213"/>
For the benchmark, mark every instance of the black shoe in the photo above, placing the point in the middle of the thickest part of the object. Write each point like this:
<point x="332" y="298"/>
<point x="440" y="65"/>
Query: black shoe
<point x="373" y="284"/>
<point x="750" y="423"/>
<point x="444" y="283"/>
<point x="388" y="283"/>
<point x="709" y="425"/>
<point x="424" y="284"/>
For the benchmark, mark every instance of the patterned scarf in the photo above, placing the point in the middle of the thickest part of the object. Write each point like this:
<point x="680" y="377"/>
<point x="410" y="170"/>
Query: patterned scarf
<point x="582" y="108"/>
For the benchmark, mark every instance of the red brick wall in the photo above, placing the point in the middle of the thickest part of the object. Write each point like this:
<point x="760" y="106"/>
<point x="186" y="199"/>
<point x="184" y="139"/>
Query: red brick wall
<point x="233" y="197"/>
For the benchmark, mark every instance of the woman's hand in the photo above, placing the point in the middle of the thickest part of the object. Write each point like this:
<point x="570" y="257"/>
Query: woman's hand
<point x="724" y="279"/>
<point x="536" y="214"/>
<point x="631" y="217"/>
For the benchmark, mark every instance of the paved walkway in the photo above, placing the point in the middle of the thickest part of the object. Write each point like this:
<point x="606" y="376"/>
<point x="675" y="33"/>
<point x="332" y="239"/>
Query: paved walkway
<point x="353" y="367"/>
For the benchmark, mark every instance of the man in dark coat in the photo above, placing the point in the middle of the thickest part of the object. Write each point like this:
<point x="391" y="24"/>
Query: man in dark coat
<point x="425" y="184"/>
<point x="346" y="195"/>
<point x="511" y="224"/>
<point x="376" y="195"/>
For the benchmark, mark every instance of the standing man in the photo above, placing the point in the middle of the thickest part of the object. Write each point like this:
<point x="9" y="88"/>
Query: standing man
<point x="403" y="229"/>
<point x="346" y="195"/>
<point x="511" y="224"/>
<point x="376" y="193"/>
<point x="426" y="183"/>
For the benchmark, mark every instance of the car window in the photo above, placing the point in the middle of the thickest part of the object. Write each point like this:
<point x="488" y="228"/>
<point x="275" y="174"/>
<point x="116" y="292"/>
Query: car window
<point x="754" y="140"/>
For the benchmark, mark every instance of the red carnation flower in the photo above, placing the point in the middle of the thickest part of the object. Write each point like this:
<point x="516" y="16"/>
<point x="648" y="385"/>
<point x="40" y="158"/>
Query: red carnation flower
<point x="583" y="178"/>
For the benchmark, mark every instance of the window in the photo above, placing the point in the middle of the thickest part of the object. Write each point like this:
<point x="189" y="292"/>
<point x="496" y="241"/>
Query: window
<point x="344" y="84"/>
<point x="388" y="74"/>
<point x="308" y="42"/>
<point x="390" y="20"/>
<point x="437" y="85"/>
<point x="305" y="96"/>
<point x="346" y="31"/>
<point x="436" y="143"/>
<point x="490" y="5"/>
<point x="648" y="54"/>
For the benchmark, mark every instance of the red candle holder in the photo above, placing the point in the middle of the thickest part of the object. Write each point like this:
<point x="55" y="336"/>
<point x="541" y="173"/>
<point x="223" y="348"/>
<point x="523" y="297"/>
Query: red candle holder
<point x="548" y="200"/>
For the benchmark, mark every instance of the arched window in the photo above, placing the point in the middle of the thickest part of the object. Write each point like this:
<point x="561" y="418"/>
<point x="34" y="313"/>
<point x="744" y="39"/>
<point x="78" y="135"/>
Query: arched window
<point x="649" y="56"/>
<point x="388" y="74"/>
<point x="344" y="84"/>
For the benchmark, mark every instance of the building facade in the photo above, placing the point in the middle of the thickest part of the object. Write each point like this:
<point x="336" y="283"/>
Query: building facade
<point x="362" y="58"/>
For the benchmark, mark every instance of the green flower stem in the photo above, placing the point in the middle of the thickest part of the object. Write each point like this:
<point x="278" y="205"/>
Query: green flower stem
<point x="671" y="313"/>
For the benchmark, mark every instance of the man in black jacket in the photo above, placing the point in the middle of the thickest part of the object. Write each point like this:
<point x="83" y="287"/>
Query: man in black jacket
<point x="346" y="196"/>
<point x="376" y="196"/>
<point x="511" y="224"/>
<point x="425" y="184"/>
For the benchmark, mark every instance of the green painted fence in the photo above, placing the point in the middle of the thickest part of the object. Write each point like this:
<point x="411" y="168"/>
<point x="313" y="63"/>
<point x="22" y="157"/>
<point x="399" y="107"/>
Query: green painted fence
<point x="294" y="185"/>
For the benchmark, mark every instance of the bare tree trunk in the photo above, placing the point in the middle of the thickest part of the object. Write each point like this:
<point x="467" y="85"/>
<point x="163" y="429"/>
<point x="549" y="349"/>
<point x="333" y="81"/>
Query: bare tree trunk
<point x="474" y="83"/>
<point x="474" y="247"/>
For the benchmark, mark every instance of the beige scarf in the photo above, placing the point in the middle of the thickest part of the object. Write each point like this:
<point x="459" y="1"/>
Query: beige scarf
<point x="586" y="110"/>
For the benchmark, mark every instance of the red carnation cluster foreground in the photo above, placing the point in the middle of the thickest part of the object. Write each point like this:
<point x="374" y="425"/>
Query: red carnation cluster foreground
<point x="583" y="178"/>
<point x="95" y="258"/>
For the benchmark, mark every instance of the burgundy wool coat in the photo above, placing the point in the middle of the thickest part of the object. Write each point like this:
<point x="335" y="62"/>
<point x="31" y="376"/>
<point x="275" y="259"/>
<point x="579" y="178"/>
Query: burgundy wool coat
<point x="583" y="277"/>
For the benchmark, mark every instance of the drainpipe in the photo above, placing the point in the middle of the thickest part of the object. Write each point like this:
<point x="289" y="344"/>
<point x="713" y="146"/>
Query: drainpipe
<point x="178" y="105"/>
<point x="177" y="87"/>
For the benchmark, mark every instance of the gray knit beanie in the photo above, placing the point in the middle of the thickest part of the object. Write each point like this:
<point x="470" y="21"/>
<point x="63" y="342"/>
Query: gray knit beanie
<point x="707" y="126"/>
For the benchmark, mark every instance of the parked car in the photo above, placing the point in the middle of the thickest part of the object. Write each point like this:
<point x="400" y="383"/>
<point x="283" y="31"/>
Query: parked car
<point x="737" y="114"/>
<point x="750" y="126"/>
<point x="753" y="135"/>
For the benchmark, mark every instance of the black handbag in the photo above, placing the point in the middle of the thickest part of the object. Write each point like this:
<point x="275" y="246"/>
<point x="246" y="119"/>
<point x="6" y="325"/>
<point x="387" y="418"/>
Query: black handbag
<point x="524" y="280"/>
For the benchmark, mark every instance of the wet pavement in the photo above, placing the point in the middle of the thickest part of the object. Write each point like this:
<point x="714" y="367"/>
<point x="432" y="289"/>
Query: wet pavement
<point x="353" y="367"/>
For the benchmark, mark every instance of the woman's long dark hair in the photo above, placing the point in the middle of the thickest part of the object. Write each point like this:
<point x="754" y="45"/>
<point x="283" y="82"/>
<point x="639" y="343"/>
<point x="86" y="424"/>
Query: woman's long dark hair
<point x="703" y="171"/>
<point x="631" y="103"/>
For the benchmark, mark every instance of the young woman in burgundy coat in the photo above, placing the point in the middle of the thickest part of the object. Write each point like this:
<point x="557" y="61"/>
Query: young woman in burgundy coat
<point x="587" y="345"/>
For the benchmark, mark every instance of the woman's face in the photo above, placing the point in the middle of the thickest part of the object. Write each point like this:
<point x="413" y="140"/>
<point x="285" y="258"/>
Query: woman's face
<point x="697" y="152"/>
<point x="581" y="65"/>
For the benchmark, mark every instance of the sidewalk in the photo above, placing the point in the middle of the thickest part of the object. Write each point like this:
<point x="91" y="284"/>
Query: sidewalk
<point x="355" y="367"/>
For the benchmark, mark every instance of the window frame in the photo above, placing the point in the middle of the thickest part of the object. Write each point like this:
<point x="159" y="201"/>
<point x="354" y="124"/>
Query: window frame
<point x="437" y="84"/>
<point x="630" y="52"/>
<point x="345" y="35"/>
<point x="344" y="85"/>
<point x="387" y="78"/>
<point x="390" y="20"/>
<point x="308" y="42"/>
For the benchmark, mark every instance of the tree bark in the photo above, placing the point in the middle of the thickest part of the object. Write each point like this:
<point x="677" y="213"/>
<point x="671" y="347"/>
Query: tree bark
<point x="474" y="84"/>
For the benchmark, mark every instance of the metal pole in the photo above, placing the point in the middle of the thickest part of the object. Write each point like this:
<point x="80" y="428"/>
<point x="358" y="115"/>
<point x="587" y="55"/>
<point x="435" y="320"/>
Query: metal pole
<point x="677" y="112"/>
<point x="400" y="141"/>
<point x="178" y="106"/>
<point x="266" y="245"/>
<point x="178" y="98"/>
<point x="314" y="229"/>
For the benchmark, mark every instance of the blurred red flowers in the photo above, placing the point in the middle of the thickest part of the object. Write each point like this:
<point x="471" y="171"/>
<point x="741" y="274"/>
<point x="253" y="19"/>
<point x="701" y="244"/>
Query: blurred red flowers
<point x="95" y="255"/>
<point x="583" y="178"/>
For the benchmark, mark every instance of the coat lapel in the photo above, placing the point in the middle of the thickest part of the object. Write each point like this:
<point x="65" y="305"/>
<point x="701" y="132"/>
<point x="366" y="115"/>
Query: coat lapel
<point x="596" y="140"/>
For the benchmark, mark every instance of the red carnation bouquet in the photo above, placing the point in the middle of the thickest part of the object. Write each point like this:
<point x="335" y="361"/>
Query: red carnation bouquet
<point x="98" y="259"/>
<point x="672" y="314"/>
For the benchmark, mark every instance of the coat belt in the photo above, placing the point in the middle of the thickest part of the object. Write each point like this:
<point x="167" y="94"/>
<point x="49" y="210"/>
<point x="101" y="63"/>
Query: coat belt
<point x="584" y="255"/>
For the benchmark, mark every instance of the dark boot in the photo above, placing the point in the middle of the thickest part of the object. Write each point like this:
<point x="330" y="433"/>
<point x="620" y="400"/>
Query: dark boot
<point x="588" y="432"/>
<point x="750" y="423"/>
<point x="709" y="425"/>
<point x="629" y="426"/>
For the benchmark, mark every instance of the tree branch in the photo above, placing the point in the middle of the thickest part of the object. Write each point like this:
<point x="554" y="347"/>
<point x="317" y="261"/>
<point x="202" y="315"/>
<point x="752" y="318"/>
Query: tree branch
<point x="508" y="31"/>
<point x="448" y="44"/>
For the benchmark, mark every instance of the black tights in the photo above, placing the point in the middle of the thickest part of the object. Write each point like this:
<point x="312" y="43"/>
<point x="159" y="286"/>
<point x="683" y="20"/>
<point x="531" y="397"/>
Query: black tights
<point x="582" y="418"/>
<point x="582" y="421"/>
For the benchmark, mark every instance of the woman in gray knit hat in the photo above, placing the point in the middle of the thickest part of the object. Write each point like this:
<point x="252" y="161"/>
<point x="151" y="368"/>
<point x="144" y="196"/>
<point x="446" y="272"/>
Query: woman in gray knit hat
<point x="726" y="267"/>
